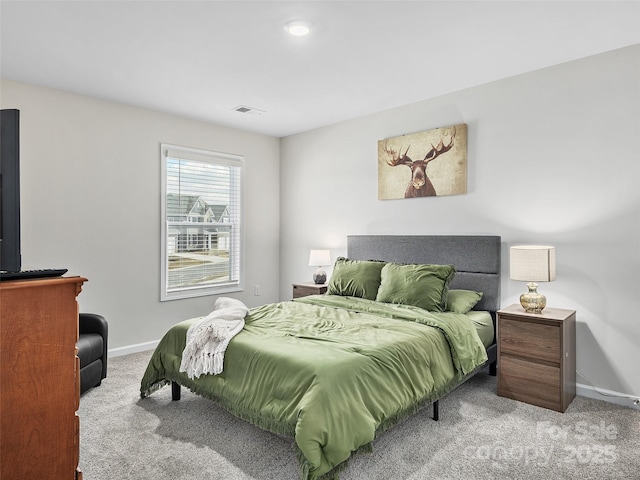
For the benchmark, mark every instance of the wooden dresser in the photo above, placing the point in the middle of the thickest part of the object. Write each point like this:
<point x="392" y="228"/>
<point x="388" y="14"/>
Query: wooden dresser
<point x="537" y="356"/>
<point x="39" y="379"/>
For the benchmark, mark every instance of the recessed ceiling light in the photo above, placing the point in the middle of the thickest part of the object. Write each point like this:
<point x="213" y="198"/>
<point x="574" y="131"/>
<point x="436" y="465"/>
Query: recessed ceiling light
<point x="298" y="28"/>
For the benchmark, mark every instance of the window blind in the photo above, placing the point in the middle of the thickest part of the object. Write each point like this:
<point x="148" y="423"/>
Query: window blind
<point x="202" y="234"/>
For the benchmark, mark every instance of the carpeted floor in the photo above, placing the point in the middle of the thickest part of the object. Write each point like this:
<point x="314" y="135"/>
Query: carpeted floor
<point x="479" y="436"/>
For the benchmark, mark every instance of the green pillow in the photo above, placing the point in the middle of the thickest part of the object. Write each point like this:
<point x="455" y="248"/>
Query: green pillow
<point x="462" y="301"/>
<point x="423" y="286"/>
<point x="355" y="278"/>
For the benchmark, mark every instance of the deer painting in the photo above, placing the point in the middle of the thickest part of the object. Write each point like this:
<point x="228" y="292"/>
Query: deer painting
<point x="420" y="185"/>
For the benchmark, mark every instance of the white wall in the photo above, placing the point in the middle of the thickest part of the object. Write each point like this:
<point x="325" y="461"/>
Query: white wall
<point x="90" y="189"/>
<point x="553" y="157"/>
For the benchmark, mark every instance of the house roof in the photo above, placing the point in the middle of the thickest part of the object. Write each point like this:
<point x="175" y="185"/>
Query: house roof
<point x="182" y="205"/>
<point x="218" y="210"/>
<point x="178" y="204"/>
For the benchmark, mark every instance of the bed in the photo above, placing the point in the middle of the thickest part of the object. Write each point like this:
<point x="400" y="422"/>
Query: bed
<point x="334" y="371"/>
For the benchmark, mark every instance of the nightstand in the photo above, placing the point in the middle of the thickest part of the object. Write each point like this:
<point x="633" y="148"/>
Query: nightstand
<point x="537" y="356"/>
<point x="308" y="288"/>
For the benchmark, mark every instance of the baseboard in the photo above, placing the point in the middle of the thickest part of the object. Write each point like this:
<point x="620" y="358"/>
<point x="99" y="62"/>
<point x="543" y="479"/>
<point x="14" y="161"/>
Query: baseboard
<point x="607" y="395"/>
<point x="138" y="347"/>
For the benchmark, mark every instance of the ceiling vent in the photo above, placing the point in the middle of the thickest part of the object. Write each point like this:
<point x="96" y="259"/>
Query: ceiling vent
<point x="248" y="110"/>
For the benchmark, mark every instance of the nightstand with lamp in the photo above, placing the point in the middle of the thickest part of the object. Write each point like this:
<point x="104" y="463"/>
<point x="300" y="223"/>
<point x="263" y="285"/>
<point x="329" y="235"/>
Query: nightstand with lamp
<point x="536" y="345"/>
<point x="317" y="258"/>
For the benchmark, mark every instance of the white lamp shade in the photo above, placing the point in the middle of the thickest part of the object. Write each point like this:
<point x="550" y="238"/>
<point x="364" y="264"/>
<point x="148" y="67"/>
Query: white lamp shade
<point x="319" y="258"/>
<point x="532" y="263"/>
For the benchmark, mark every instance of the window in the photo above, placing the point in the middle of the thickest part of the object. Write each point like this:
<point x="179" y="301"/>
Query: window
<point x="201" y="222"/>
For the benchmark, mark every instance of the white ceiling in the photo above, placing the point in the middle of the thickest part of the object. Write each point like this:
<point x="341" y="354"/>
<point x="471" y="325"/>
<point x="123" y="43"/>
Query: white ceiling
<point x="203" y="59"/>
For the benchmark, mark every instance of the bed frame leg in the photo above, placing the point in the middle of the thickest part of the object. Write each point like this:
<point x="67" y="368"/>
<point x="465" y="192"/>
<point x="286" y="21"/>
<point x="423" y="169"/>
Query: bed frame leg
<point x="493" y="370"/>
<point x="175" y="391"/>
<point x="436" y="410"/>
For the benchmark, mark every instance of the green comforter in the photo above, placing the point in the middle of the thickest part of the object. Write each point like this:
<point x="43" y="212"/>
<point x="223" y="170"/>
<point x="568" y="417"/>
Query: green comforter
<point x="332" y="372"/>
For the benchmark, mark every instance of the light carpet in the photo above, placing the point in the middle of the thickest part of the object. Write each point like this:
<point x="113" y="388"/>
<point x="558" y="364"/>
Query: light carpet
<point x="479" y="436"/>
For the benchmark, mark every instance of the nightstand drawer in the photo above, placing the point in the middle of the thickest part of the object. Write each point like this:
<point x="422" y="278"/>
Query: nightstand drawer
<point x="537" y="356"/>
<point x="529" y="382"/>
<point x="304" y="289"/>
<point x="538" y="341"/>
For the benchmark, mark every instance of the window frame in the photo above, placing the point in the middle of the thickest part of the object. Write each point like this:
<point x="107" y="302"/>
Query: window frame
<point x="216" y="158"/>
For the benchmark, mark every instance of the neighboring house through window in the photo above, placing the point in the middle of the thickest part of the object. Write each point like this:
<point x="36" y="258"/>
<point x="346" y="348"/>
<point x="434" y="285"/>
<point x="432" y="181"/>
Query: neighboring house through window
<point x="201" y="212"/>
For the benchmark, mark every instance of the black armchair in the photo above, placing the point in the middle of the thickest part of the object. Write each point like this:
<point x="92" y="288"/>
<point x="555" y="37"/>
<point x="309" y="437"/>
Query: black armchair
<point x="92" y="350"/>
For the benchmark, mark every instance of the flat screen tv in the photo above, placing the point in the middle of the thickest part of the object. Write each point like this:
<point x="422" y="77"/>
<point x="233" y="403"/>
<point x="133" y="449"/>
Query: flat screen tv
<point x="10" y="259"/>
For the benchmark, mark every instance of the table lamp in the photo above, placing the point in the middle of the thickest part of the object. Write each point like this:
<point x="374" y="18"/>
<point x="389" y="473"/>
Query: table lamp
<point x="531" y="264"/>
<point x="319" y="258"/>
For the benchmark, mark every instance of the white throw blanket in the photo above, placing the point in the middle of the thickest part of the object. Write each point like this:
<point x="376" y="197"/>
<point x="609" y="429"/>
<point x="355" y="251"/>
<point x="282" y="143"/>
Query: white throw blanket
<point x="207" y="338"/>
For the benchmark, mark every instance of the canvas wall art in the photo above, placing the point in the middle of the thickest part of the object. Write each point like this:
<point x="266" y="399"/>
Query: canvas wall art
<point x="424" y="164"/>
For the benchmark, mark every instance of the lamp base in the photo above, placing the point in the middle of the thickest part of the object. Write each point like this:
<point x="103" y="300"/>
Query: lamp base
<point x="319" y="276"/>
<point x="532" y="301"/>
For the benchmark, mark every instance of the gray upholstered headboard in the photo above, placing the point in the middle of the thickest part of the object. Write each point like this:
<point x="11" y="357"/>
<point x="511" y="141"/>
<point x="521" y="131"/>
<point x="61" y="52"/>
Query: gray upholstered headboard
<point x="475" y="257"/>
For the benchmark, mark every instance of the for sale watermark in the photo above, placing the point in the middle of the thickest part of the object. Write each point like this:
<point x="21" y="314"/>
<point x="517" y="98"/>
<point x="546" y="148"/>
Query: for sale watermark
<point x="501" y="455"/>
<point x="581" y="443"/>
<point x="580" y="431"/>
